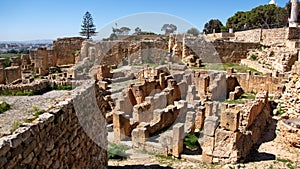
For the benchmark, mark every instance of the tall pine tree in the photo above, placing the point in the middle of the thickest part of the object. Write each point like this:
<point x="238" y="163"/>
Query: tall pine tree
<point x="88" y="28"/>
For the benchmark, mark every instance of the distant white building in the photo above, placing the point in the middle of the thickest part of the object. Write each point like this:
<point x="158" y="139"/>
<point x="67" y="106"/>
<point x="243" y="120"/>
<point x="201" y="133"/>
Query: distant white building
<point x="272" y="2"/>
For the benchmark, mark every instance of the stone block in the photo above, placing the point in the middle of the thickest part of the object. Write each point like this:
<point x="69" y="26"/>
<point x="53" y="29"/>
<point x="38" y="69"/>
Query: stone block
<point x="208" y="109"/>
<point x="178" y="136"/>
<point x="12" y="73"/>
<point x="207" y="158"/>
<point x="189" y="126"/>
<point x="210" y="125"/>
<point x="230" y="119"/>
<point x="231" y="96"/>
<point x="200" y="118"/>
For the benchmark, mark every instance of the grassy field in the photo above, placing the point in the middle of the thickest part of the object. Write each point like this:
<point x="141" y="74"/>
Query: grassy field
<point x="8" y="55"/>
<point x="224" y="66"/>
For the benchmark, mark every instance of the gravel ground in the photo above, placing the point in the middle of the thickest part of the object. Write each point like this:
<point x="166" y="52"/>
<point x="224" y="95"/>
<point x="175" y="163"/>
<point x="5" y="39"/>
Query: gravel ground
<point x="24" y="107"/>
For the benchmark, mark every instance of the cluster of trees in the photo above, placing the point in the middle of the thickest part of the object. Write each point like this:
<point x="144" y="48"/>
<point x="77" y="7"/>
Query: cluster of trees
<point x="264" y="16"/>
<point x="88" y="29"/>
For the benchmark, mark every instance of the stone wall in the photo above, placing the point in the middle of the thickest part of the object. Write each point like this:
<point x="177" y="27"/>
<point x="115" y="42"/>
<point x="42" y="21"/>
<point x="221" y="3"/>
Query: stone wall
<point x="64" y="50"/>
<point x="124" y="52"/>
<point x="35" y="86"/>
<point x="189" y="49"/>
<point x="233" y="52"/>
<point x="294" y="33"/>
<point x="12" y="73"/>
<point x="211" y="85"/>
<point x="40" y="58"/>
<point x="230" y="137"/>
<point x="58" y="138"/>
<point x="256" y="83"/>
<point x="264" y="36"/>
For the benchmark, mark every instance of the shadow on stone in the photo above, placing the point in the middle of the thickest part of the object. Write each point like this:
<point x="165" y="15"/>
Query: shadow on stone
<point x="256" y="157"/>
<point x="268" y="135"/>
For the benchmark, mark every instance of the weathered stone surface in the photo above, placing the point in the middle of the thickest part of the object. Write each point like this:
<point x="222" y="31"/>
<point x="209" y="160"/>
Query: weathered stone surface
<point x="230" y="120"/>
<point x="210" y="125"/>
<point x="58" y="137"/>
<point x="178" y="136"/>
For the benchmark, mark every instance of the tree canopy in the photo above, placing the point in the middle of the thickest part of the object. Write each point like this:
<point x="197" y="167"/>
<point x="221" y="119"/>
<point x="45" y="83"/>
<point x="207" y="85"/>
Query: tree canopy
<point x="169" y="28"/>
<point x="264" y="16"/>
<point x="88" y="28"/>
<point x="193" y="31"/>
<point x="213" y="24"/>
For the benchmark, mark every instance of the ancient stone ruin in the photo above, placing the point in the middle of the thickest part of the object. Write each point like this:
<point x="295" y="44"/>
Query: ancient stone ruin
<point x="151" y="95"/>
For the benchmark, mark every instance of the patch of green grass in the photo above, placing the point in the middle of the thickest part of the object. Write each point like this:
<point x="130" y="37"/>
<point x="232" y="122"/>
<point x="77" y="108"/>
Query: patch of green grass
<point x="7" y="63"/>
<point x="8" y="55"/>
<point x="253" y="57"/>
<point x="242" y="98"/>
<point x="260" y="47"/>
<point x="163" y="157"/>
<point x="223" y="67"/>
<point x="290" y="165"/>
<point x="283" y="160"/>
<point x="4" y="107"/>
<point x="249" y="96"/>
<point x="37" y="111"/>
<point x="15" y="126"/>
<point x="190" y="141"/>
<point x="280" y="112"/>
<point x="234" y="101"/>
<point x="18" y="93"/>
<point x="117" y="151"/>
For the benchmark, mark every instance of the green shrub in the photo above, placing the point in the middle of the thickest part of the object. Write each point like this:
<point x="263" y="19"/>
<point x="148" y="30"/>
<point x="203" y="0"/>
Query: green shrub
<point x="4" y="107"/>
<point x="191" y="142"/>
<point x="117" y="151"/>
<point x="260" y="47"/>
<point x="253" y="57"/>
<point x="7" y="63"/>
<point x="15" y="126"/>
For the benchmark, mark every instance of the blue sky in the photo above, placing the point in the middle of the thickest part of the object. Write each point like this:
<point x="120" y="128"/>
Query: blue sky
<point x="51" y="19"/>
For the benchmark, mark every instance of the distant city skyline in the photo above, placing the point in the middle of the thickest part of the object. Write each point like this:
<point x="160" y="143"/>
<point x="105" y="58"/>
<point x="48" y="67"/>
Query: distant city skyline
<point x="33" y="20"/>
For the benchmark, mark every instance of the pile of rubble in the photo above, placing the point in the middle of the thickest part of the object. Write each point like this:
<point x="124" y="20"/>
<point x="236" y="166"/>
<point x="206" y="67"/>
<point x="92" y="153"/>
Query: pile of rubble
<point x="278" y="58"/>
<point x="289" y="107"/>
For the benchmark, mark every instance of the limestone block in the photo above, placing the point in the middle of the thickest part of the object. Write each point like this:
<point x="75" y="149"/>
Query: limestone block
<point x="160" y="101"/>
<point x="200" y="117"/>
<point x="224" y="143"/>
<point x="12" y="73"/>
<point x="210" y="125"/>
<point x="178" y="136"/>
<point x="230" y="119"/>
<point x="183" y="87"/>
<point x="135" y="137"/>
<point x="208" y="109"/>
<point x="189" y="126"/>
<point x="231" y="96"/>
<point x="207" y="158"/>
